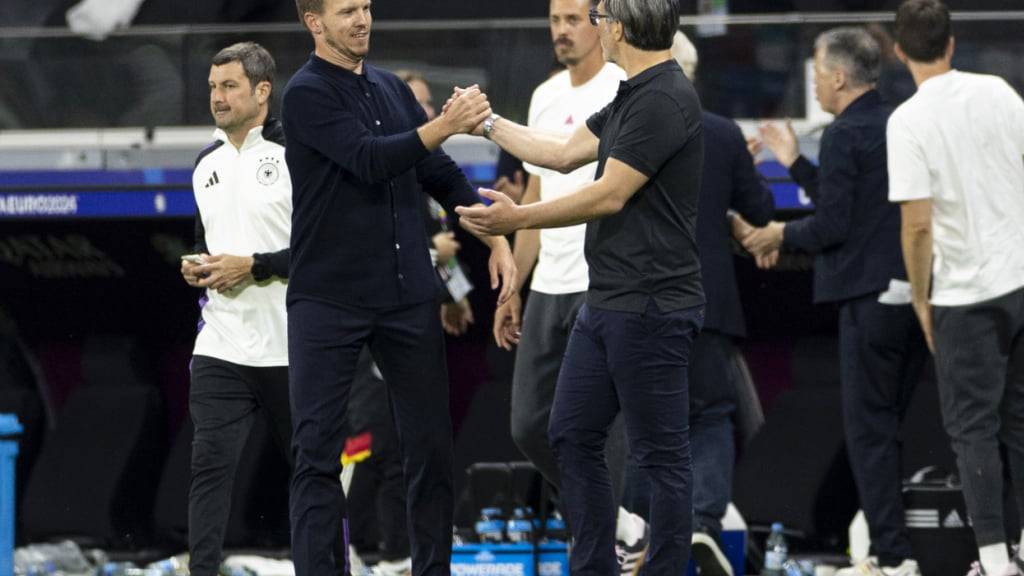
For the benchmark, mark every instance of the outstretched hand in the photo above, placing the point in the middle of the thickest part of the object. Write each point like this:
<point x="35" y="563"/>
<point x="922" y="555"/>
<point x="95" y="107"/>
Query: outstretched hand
<point x="500" y="218"/>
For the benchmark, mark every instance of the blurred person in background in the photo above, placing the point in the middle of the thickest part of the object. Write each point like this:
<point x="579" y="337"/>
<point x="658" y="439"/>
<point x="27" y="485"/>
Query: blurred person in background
<point x="854" y="233"/>
<point x="361" y="153"/>
<point x="555" y="258"/>
<point x="956" y="169"/>
<point x="456" y="313"/>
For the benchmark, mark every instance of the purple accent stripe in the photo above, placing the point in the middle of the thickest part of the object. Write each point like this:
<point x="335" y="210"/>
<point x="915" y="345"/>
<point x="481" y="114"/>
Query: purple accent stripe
<point x="202" y="304"/>
<point x="344" y="529"/>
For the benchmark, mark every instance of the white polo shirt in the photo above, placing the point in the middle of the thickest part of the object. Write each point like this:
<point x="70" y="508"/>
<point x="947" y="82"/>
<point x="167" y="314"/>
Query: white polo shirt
<point x="960" y="142"/>
<point x="558" y="106"/>
<point x="245" y="204"/>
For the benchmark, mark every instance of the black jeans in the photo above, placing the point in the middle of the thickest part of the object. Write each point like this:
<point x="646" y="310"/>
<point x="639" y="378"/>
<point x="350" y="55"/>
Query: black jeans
<point x="547" y="323"/>
<point x="324" y="343"/>
<point x="713" y="401"/>
<point x="636" y="363"/>
<point x="223" y="400"/>
<point x="881" y="354"/>
<point x="979" y="361"/>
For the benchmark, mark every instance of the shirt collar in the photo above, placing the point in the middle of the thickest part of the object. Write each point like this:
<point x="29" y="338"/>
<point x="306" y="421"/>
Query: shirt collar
<point x="869" y="99"/>
<point x="648" y="75"/>
<point x="938" y="80"/>
<point x="369" y="72"/>
<point x="254" y="136"/>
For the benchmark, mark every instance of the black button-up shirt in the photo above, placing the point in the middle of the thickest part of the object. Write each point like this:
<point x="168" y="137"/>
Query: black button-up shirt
<point x="649" y="249"/>
<point x="855" y="230"/>
<point x="357" y="167"/>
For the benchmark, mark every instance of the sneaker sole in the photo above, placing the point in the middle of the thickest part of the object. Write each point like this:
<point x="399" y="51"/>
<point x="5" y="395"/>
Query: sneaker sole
<point x="710" y="559"/>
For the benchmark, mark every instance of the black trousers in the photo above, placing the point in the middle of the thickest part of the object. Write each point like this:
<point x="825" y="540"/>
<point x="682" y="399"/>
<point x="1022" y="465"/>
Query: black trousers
<point x="224" y="398"/>
<point x="324" y="343"/>
<point x="881" y="354"/>
<point x="378" y="487"/>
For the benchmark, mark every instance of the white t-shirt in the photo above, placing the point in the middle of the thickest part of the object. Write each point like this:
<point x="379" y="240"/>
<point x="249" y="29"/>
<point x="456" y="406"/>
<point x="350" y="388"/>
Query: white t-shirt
<point x="558" y="106"/>
<point x="960" y="142"/>
<point x="245" y="202"/>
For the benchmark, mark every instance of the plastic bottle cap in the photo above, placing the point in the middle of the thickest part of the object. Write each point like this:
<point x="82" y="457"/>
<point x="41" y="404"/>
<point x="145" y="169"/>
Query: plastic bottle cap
<point x="777" y="527"/>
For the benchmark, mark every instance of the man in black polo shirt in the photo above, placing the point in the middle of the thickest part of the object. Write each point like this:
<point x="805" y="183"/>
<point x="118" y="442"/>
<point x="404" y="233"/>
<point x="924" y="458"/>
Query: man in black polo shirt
<point x="630" y="346"/>
<point x="359" y="148"/>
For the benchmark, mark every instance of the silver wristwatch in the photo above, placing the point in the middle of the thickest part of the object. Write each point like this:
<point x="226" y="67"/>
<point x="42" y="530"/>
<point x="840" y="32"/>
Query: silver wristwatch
<point x="489" y="125"/>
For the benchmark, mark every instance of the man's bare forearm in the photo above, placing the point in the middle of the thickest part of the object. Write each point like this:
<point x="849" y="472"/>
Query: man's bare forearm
<point x="525" y="252"/>
<point x="916" y="238"/>
<point x="533" y="146"/>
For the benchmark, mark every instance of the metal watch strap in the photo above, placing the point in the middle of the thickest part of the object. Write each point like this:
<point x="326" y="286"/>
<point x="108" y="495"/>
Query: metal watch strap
<point x="489" y="125"/>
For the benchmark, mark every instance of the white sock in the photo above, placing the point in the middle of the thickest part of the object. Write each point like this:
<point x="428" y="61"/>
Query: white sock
<point x="628" y="527"/>
<point x="994" y="558"/>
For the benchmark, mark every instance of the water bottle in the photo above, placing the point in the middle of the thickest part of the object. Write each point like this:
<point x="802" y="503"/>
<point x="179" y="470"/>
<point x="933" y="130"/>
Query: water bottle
<point x="490" y="528"/>
<point x="775" y="552"/>
<point x="555" y="528"/>
<point x="520" y="526"/>
<point x="794" y="568"/>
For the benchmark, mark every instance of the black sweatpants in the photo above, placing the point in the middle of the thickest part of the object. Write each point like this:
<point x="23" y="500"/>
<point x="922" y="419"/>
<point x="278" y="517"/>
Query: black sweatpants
<point x="979" y="361"/>
<point x="223" y="401"/>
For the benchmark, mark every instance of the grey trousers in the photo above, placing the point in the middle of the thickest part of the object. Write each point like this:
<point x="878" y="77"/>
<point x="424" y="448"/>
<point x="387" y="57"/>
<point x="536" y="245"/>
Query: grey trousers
<point x="547" y="322"/>
<point x="979" y="361"/>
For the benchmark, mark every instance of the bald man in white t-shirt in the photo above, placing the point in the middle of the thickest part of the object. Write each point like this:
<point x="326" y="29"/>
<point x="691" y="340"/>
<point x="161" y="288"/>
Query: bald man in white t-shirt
<point x="956" y="166"/>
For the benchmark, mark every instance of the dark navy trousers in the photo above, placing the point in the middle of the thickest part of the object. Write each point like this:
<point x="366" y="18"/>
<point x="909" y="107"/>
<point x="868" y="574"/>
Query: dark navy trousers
<point x="324" y="342"/>
<point x="635" y="363"/>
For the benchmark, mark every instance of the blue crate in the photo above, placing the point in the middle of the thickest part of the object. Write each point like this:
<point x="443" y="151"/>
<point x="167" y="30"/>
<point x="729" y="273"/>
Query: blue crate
<point x="9" y="426"/>
<point x="510" y="560"/>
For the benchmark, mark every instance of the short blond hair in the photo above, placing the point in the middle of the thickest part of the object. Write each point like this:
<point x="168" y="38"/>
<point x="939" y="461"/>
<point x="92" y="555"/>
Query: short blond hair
<point x="685" y="53"/>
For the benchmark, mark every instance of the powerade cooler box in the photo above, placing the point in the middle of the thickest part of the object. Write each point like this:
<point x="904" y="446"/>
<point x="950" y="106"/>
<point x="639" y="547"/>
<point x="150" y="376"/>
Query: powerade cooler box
<point x="552" y="559"/>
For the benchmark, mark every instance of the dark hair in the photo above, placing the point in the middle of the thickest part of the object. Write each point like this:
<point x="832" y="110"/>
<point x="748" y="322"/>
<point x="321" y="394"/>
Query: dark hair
<point x="303" y="6"/>
<point x="647" y="24"/>
<point x="923" y="29"/>
<point x="257" y="63"/>
<point x="854" y="50"/>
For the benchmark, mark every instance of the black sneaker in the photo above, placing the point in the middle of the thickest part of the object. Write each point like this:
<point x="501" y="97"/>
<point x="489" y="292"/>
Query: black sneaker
<point x="708" y="555"/>
<point x="631" y="558"/>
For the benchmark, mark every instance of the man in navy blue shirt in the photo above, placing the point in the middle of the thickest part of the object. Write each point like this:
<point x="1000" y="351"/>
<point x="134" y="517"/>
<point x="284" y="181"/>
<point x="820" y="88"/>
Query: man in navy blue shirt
<point x="630" y="346"/>
<point x="359" y="149"/>
<point x="855" y="235"/>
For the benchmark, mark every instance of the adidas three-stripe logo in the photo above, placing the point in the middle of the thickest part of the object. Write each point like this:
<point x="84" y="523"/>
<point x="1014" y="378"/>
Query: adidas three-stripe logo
<point x="214" y="180"/>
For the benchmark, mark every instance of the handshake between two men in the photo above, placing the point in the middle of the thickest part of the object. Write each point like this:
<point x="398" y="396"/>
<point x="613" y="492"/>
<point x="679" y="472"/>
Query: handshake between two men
<point x="765" y="243"/>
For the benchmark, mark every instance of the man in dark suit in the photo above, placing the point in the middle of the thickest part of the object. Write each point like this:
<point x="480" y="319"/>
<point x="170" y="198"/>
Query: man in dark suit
<point x="855" y="235"/>
<point x="730" y="183"/>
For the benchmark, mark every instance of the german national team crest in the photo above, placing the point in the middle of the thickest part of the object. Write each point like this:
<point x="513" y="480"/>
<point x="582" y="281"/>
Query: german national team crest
<point x="268" y="172"/>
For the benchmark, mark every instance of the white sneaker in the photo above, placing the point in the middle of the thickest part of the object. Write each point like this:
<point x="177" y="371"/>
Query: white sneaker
<point x="709" y="557"/>
<point x="395" y="568"/>
<point x="870" y="567"/>
<point x="1009" y="570"/>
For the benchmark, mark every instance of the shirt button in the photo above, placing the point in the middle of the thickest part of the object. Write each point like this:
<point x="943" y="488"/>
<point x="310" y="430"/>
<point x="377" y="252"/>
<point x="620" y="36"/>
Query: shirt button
<point x="401" y="276"/>
<point x="377" y="122"/>
<point x="397" y="246"/>
<point x="395" y="214"/>
<point x="367" y="94"/>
